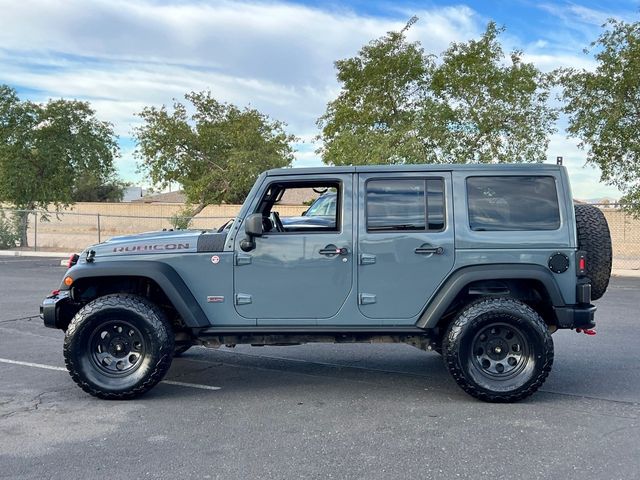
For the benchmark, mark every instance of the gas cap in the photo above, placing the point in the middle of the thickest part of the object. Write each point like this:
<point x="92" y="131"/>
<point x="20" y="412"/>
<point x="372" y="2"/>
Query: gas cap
<point x="558" y="263"/>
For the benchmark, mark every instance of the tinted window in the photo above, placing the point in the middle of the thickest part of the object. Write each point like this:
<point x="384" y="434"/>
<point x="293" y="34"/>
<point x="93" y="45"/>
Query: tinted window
<point x="513" y="203"/>
<point x="405" y="204"/>
<point x="435" y="204"/>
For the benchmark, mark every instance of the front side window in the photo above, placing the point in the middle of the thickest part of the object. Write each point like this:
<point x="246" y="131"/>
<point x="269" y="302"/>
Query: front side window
<point x="303" y="207"/>
<point x="405" y="204"/>
<point x="503" y="203"/>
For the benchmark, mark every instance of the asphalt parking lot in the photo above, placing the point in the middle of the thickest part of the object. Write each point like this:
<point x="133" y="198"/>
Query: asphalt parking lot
<point x="315" y="411"/>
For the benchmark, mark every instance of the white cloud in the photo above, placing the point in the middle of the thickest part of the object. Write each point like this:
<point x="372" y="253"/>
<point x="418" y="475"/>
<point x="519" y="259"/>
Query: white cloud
<point x="275" y="56"/>
<point x="122" y="55"/>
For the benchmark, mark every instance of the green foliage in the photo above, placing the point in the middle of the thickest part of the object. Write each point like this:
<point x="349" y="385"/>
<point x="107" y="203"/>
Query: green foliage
<point x="214" y="153"/>
<point x="490" y="109"/>
<point x="45" y="148"/>
<point x="89" y="188"/>
<point x="398" y="105"/>
<point x="604" y="108"/>
<point x="182" y="220"/>
<point x="9" y="235"/>
<point x="377" y="116"/>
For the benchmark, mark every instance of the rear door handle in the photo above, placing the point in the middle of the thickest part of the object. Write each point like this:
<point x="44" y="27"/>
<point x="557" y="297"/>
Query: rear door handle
<point x="331" y="250"/>
<point x="427" y="249"/>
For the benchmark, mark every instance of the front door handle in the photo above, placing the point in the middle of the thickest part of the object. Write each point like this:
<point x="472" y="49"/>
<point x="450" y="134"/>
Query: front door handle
<point x="331" y="250"/>
<point x="427" y="249"/>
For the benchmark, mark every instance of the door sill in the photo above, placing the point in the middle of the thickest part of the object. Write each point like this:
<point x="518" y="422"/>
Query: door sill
<point x="312" y="329"/>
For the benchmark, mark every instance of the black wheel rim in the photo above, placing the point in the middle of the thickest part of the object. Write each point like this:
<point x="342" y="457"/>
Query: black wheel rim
<point x="501" y="352"/>
<point x="117" y="348"/>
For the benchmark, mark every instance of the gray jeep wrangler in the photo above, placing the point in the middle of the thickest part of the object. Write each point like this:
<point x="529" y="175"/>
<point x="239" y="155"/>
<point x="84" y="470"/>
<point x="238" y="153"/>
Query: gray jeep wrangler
<point x="480" y="264"/>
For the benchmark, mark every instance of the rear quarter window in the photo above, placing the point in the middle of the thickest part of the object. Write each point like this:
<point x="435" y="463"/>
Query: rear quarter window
<point x="503" y="203"/>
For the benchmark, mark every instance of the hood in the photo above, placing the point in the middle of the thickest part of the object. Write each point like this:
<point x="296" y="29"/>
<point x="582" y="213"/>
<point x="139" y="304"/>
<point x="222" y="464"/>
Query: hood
<point x="170" y="241"/>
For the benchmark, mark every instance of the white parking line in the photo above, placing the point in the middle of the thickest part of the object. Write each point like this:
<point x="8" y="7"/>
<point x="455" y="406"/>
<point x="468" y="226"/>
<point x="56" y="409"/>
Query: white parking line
<point x="191" y="385"/>
<point x="35" y="365"/>
<point x="62" y="369"/>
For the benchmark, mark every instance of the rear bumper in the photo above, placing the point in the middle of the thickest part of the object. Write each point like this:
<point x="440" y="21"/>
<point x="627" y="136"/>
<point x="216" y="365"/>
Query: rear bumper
<point x="52" y="308"/>
<point x="577" y="316"/>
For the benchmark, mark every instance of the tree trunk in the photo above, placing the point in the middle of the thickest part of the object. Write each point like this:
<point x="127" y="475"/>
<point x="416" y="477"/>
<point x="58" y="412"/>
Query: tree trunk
<point x="197" y="209"/>
<point x="23" y="227"/>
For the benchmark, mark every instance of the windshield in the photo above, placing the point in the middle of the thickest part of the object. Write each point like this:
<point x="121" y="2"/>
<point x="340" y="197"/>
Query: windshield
<point x="324" y="206"/>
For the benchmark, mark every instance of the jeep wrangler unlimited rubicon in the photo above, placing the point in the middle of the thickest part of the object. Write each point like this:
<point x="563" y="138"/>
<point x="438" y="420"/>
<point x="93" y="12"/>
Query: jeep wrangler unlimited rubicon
<point x="478" y="263"/>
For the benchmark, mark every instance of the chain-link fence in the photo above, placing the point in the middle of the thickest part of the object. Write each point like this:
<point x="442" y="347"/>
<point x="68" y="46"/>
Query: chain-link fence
<point x="625" y="237"/>
<point x="72" y="231"/>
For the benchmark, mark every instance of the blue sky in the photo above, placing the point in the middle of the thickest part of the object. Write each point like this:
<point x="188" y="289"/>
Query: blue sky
<point x="276" y="56"/>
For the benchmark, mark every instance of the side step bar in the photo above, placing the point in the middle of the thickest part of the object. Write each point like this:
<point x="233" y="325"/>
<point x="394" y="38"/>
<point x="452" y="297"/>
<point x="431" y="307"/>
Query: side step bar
<point x="311" y="330"/>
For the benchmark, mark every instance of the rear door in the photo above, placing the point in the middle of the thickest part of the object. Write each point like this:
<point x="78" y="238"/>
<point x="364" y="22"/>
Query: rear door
<point x="405" y="242"/>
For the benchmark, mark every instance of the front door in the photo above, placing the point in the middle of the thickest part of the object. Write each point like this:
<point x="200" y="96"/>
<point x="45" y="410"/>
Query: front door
<point x="301" y="269"/>
<point x="405" y="243"/>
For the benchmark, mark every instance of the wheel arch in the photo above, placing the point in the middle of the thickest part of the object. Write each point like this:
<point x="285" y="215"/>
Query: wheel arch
<point x="459" y="283"/>
<point x="157" y="274"/>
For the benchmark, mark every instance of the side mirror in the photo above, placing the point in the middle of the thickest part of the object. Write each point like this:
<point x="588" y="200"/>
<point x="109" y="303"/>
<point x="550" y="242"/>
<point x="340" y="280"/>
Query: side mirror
<point x="253" y="225"/>
<point x="253" y="228"/>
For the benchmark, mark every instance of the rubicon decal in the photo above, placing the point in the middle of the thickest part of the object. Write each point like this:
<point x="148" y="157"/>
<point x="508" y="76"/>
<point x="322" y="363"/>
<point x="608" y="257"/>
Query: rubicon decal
<point x="152" y="248"/>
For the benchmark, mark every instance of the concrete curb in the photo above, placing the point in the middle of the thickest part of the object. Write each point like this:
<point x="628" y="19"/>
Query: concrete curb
<point x="625" y="273"/>
<point x="25" y="253"/>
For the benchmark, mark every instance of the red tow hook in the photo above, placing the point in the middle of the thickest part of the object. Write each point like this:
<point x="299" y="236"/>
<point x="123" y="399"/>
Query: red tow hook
<point x="586" y="331"/>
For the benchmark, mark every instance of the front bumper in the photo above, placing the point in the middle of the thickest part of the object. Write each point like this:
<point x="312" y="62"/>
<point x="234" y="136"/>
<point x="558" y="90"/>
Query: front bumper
<point x="577" y="316"/>
<point x="55" y="309"/>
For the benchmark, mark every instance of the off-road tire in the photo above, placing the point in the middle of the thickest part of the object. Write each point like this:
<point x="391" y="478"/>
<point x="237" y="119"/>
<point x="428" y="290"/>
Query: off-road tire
<point x="509" y="314"/>
<point x="137" y="314"/>
<point x="595" y="239"/>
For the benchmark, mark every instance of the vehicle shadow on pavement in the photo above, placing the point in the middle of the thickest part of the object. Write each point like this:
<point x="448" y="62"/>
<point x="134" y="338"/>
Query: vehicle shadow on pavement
<point x="247" y="372"/>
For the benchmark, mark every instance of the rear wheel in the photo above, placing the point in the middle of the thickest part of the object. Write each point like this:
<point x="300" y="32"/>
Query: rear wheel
<point x="498" y="350"/>
<point x="118" y="346"/>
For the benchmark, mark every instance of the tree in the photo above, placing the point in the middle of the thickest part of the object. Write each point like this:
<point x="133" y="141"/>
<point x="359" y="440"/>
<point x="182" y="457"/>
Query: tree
<point x="45" y="148"/>
<point x="88" y="188"/>
<point x="490" y="109"/>
<point x="214" y="153"/>
<point x="377" y="117"/>
<point x="604" y="108"/>
<point x="398" y="105"/>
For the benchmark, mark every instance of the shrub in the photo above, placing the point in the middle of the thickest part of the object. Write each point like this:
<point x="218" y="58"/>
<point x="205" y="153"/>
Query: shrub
<point x="9" y="234"/>
<point x="181" y="220"/>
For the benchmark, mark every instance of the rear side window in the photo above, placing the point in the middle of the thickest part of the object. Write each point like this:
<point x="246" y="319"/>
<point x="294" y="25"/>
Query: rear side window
<point x="504" y="203"/>
<point x="405" y="204"/>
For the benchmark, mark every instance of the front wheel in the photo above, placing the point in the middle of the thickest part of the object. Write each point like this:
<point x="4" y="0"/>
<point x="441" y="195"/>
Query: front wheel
<point x="118" y="346"/>
<point x="498" y="350"/>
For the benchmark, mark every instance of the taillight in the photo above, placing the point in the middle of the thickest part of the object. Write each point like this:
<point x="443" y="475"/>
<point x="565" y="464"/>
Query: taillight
<point x="73" y="259"/>
<point x="581" y="263"/>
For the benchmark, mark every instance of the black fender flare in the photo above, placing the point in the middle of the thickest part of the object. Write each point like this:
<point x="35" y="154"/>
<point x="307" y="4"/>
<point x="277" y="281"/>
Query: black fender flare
<point x="162" y="274"/>
<point x="462" y="277"/>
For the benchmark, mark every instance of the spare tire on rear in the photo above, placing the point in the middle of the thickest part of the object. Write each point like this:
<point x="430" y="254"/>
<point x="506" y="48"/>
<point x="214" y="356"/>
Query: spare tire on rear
<point x="595" y="239"/>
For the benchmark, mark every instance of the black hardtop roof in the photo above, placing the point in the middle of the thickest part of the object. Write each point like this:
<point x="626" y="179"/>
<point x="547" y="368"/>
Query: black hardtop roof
<point x="501" y="167"/>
